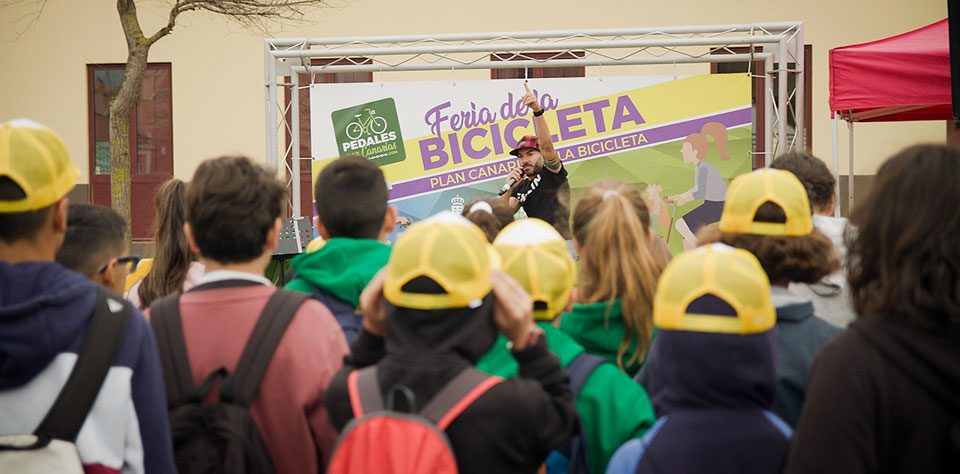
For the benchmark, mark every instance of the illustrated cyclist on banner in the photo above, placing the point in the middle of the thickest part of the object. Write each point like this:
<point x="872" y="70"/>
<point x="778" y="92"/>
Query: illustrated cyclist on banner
<point x="539" y="184"/>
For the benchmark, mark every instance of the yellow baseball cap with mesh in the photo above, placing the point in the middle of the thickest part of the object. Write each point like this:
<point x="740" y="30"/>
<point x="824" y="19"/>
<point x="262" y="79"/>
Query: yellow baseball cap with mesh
<point x="34" y="157"/>
<point x="732" y="278"/>
<point x="447" y="249"/>
<point x="535" y="254"/>
<point x="749" y="191"/>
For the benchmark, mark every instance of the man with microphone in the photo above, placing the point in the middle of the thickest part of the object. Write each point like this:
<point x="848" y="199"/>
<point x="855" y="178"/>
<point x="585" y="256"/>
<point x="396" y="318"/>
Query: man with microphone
<point x="539" y="184"/>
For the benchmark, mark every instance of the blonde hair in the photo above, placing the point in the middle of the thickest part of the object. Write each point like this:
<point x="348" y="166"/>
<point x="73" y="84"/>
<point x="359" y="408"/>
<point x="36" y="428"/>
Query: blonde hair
<point x="612" y="225"/>
<point x="701" y="145"/>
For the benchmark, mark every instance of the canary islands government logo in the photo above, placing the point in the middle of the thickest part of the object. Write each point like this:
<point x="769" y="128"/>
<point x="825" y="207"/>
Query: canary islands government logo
<point x="371" y="130"/>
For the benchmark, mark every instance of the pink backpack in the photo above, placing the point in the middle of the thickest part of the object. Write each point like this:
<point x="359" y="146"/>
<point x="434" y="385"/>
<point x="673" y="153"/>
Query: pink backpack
<point x="385" y="441"/>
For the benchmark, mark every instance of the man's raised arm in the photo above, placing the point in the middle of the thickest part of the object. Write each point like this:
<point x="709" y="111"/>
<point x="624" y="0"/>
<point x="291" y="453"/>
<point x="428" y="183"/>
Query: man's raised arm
<point x="550" y="158"/>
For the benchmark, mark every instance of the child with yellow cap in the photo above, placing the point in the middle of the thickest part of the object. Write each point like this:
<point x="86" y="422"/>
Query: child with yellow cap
<point x="612" y="408"/>
<point x="712" y="371"/>
<point x="52" y="318"/>
<point x="428" y="317"/>
<point x="767" y="213"/>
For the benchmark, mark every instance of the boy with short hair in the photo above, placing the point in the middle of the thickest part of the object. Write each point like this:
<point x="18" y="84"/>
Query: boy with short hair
<point x="831" y="295"/>
<point x="612" y="407"/>
<point x="46" y="312"/>
<point x="96" y="246"/>
<point x="353" y="218"/>
<point x="233" y="224"/>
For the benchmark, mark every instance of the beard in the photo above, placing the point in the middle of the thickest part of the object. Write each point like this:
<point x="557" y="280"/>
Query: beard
<point x="532" y="170"/>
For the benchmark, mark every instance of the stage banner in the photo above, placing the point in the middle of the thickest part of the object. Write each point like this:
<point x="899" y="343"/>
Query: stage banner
<point x="441" y="144"/>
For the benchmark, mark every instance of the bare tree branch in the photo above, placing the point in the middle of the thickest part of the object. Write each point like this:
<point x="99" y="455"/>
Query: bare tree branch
<point x="246" y="12"/>
<point x="32" y="18"/>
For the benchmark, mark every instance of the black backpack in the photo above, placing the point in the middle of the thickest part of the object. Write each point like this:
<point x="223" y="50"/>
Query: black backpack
<point x="51" y="446"/>
<point x="219" y="437"/>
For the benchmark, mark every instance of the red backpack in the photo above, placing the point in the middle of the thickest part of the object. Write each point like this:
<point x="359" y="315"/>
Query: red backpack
<point x="382" y="440"/>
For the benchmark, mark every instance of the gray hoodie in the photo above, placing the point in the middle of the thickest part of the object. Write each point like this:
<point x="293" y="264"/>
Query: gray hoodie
<point x="831" y="295"/>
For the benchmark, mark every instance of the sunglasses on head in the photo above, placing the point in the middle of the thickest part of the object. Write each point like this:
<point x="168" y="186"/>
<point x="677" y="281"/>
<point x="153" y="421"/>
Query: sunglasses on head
<point x="130" y="260"/>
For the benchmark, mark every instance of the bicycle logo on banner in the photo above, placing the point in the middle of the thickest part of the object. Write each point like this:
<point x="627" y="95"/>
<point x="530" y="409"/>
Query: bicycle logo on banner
<point x="372" y="124"/>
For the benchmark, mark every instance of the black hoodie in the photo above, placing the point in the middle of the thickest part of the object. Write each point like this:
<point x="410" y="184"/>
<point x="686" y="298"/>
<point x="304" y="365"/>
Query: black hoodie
<point x="883" y="397"/>
<point x="509" y="429"/>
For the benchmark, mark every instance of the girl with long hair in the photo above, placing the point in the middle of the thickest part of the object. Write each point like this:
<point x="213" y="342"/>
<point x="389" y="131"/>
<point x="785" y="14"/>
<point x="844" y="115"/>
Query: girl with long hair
<point x="174" y="265"/>
<point x="618" y="275"/>
<point x="708" y="183"/>
<point x="884" y="395"/>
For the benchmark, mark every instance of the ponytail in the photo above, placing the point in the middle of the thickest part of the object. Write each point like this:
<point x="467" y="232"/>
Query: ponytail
<point x="612" y="224"/>
<point x="171" y="255"/>
<point x="701" y="145"/>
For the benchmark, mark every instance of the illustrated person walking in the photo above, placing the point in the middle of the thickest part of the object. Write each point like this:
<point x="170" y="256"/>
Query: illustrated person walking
<point x="541" y="186"/>
<point x="708" y="183"/>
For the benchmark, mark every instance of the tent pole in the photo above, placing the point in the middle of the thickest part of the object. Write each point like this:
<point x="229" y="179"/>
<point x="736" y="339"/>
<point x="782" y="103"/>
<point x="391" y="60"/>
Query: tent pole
<point x="836" y="164"/>
<point x="768" y="112"/>
<point x="783" y="145"/>
<point x="800" y="109"/>
<point x="850" y="171"/>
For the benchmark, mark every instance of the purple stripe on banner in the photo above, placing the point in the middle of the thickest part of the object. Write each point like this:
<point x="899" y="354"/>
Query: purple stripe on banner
<point x="581" y="151"/>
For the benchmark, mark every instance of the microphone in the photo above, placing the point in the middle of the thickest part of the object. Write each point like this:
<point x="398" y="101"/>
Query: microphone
<point x="506" y="187"/>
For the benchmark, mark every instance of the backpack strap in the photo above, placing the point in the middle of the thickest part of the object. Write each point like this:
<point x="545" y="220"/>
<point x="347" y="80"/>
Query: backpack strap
<point x="364" y="389"/>
<point x="580" y="369"/>
<point x="168" y="331"/>
<point x="576" y="450"/>
<point x="465" y="388"/>
<point x="98" y="350"/>
<point x="241" y="387"/>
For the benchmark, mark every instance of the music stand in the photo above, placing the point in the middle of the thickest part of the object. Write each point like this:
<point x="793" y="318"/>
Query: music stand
<point x="295" y="234"/>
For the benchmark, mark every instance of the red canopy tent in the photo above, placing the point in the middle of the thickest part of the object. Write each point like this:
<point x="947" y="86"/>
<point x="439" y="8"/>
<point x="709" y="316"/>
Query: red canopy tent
<point x="900" y="78"/>
<point x="903" y="77"/>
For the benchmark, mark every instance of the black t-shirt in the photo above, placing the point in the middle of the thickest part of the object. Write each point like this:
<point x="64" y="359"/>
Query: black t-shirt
<point x="547" y="197"/>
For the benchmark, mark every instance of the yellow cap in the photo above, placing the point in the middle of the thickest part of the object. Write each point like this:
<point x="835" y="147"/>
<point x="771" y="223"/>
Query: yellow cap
<point x="732" y="275"/>
<point x="750" y="191"/>
<point x="449" y="250"/>
<point x="35" y="158"/>
<point x="315" y="244"/>
<point x="535" y="254"/>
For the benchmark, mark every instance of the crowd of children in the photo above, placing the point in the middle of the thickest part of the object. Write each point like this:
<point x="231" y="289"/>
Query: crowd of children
<point x="480" y="344"/>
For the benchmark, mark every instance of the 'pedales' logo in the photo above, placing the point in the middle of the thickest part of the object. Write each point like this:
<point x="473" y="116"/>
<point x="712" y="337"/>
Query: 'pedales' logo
<point x="371" y="130"/>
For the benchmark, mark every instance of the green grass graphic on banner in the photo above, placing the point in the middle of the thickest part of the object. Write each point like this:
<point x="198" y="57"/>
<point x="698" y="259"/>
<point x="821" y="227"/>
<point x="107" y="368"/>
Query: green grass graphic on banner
<point x="661" y="165"/>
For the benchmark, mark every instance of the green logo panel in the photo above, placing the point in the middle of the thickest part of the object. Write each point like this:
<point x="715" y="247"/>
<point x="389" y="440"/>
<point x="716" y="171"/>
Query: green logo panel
<point x="371" y="130"/>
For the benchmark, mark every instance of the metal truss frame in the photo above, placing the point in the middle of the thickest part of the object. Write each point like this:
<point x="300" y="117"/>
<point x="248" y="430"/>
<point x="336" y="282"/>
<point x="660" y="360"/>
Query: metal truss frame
<point x="286" y="58"/>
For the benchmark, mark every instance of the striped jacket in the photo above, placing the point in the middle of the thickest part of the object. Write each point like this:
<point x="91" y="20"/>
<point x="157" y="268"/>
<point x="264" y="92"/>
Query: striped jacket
<point x="44" y="313"/>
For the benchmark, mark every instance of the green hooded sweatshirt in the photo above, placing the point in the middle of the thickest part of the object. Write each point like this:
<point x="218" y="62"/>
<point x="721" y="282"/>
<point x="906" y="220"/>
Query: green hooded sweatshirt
<point x="600" y="333"/>
<point x="342" y="267"/>
<point x="613" y="408"/>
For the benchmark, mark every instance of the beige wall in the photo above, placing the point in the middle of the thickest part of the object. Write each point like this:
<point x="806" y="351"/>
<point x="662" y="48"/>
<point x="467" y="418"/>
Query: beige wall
<point x="217" y="66"/>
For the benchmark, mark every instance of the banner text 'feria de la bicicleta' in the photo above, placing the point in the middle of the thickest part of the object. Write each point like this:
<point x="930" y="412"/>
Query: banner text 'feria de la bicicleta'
<point x="441" y="144"/>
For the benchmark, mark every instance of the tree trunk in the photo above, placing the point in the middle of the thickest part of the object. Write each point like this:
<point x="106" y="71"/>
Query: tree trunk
<point x="121" y="107"/>
<point x="120" y="113"/>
